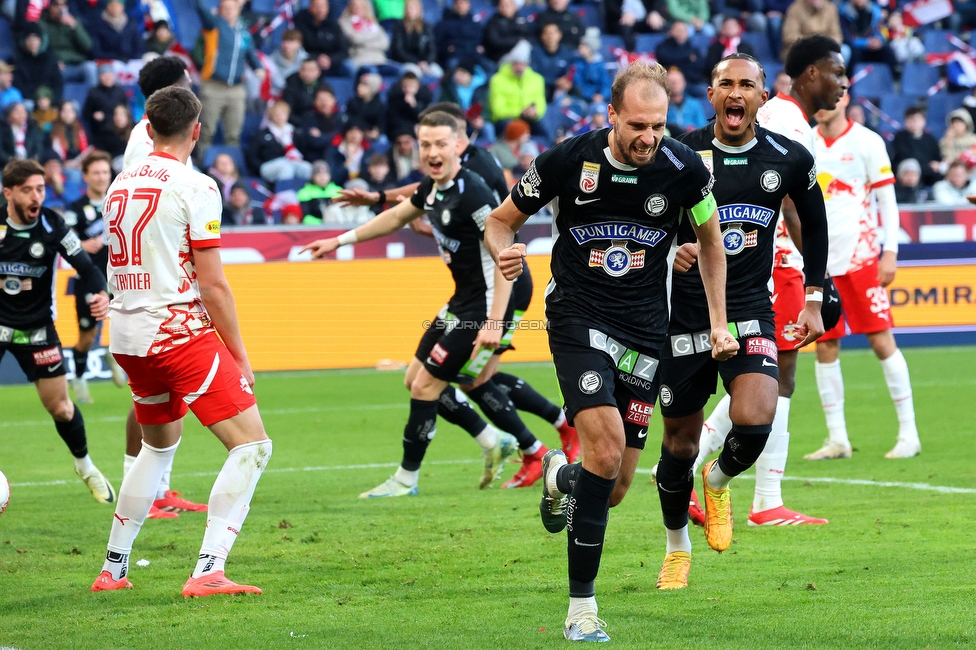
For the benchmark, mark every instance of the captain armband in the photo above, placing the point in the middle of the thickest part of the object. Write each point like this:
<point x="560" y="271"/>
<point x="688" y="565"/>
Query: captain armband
<point x="704" y="210"/>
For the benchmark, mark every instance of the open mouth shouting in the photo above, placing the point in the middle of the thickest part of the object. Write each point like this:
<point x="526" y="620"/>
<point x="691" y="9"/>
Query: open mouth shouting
<point x="436" y="168"/>
<point x="735" y="116"/>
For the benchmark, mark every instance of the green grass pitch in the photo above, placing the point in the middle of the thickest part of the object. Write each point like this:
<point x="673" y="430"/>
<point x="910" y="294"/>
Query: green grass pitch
<point x="456" y="567"/>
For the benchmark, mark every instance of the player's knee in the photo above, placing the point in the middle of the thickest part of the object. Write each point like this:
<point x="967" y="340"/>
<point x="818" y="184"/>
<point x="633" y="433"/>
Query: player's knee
<point x="62" y="410"/>
<point x="681" y="438"/>
<point x="786" y="386"/>
<point x="605" y="459"/>
<point x="749" y="442"/>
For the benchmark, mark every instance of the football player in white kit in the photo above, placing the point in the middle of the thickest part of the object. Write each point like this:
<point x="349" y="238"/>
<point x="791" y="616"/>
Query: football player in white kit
<point x="819" y="79"/>
<point x="171" y="300"/>
<point x="855" y="175"/>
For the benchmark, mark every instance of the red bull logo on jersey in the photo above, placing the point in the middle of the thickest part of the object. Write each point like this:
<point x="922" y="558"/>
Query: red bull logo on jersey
<point x="831" y="186"/>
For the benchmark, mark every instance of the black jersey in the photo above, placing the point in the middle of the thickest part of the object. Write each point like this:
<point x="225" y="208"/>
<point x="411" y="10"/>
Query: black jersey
<point x="750" y="183"/>
<point x="28" y="257"/>
<point x="482" y="163"/>
<point x="615" y="226"/>
<point x="457" y="213"/>
<point x="85" y="218"/>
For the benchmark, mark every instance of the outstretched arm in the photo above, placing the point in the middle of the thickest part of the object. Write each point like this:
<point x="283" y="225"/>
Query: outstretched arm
<point x="382" y="224"/>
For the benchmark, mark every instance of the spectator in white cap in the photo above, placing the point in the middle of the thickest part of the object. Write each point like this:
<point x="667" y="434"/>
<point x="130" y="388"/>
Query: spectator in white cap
<point x="908" y="187"/>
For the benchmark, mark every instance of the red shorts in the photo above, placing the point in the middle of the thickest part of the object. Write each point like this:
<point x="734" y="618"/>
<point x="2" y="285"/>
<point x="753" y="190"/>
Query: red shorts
<point x="864" y="302"/>
<point x="201" y="376"/>
<point x="789" y="299"/>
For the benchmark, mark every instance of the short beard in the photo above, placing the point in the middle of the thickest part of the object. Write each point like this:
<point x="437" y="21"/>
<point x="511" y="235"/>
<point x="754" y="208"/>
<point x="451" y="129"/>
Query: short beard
<point x="24" y="216"/>
<point x="625" y="152"/>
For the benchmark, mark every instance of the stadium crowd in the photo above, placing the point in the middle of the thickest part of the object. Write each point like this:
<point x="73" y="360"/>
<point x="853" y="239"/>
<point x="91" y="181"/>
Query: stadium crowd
<point x="301" y="103"/>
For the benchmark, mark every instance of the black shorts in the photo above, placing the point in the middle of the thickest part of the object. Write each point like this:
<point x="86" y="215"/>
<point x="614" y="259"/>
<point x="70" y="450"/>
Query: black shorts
<point x="689" y="374"/>
<point x="521" y="299"/>
<point x="445" y="348"/>
<point x="595" y="369"/>
<point x="37" y="351"/>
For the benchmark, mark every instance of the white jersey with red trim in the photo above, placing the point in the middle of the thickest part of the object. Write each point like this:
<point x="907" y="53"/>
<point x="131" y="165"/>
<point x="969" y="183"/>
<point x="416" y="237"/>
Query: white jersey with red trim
<point x="784" y="116"/>
<point x="849" y="169"/>
<point x="157" y="212"/>
<point x="140" y="145"/>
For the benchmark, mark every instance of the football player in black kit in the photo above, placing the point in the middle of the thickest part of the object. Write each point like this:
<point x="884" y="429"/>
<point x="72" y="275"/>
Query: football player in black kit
<point x="522" y="395"/>
<point x="31" y="238"/>
<point x="617" y="196"/>
<point x="458" y="202"/>
<point x="84" y="216"/>
<point x="754" y="170"/>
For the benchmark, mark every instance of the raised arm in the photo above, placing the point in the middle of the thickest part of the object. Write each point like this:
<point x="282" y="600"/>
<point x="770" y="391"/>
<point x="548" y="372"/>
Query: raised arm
<point x="382" y="224"/>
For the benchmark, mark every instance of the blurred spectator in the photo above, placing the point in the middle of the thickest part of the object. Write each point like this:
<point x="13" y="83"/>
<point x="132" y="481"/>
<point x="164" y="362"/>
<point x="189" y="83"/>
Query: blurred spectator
<point x="861" y="22"/>
<point x="272" y="152"/>
<point x="161" y="38"/>
<point x="457" y="35"/>
<point x="908" y="186"/>
<point x="323" y="39"/>
<point x="115" y="36"/>
<point x="413" y="41"/>
<point x="504" y="30"/>
<point x="35" y="67"/>
<point x="114" y="141"/>
<point x="904" y="44"/>
<point x="684" y="113"/>
<point x="405" y="102"/>
<point x="352" y="214"/>
<point x="300" y="90"/>
<point x="696" y="13"/>
<point x="551" y="60"/>
<point x="367" y="106"/>
<point x="318" y="195"/>
<point x="320" y="125"/>
<point x="291" y="215"/>
<point x="570" y="25"/>
<point x="958" y="137"/>
<point x="528" y="152"/>
<point x="70" y="42"/>
<point x="288" y="58"/>
<point x="775" y="11"/>
<point x="44" y="114"/>
<point x="404" y="158"/>
<point x="781" y="85"/>
<point x="467" y="87"/>
<point x="516" y="90"/>
<point x="678" y="51"/>
<point x="228" y="46"/>
<point x="389" y="10"/>
<point x="59" y="193"/>
<point x="379" y="178"/>
<point x="346" y="158"/>
<point x="855" y="112"/>
<point x="589" y="71"/>
<point x="368" y="41"/>
<point x="237" y="208"/>
<point x="749" y="13"/>
<point x="729" y="41"/>
<point x="8" y="94"/>
<point x="506" y="151"/>
<point x="914" y="142"/>
<point x="627" y="17"/>
<point x="68" y="138"/>
<point x="100" y="104"/>
<point x="19" y="136"/>
<point x="955" y="187"/>
<point x="809" y="17"/>
<point x="225" y="173"/>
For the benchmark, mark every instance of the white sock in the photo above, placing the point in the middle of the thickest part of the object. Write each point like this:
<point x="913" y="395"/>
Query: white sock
<point x="536" y="446"/>
<point x="408" y="477"/>
<point x="164" y="481"/>
<point x="772" y="462"/>
<point x="561" y="420"/>
<point x="717" y="479"/>
<point x="230" y="500"/>
<point x="84" y="466"/>
<point x="208" y="564"/>
<point x="552" y="484"/>
<point x="579" y="606"/>
<point x="136" y="495"/>
<point x="714" y="431"/>
<point x="127" y="461"/>
<point x="678" y="540"/>
<point x="487" y="438"/>
<point x="830" y="384"/>
<point x="460" y="396"/>
<point x="900" y="388"/>
<point x="117" y="564"/>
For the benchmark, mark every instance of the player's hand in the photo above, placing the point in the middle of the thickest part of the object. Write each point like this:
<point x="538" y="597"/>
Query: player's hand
<point x="489" y="336"/>
<point x="686" y="257"/>
<point x="809" y="325"/>
<point x="724" y="345"/>
<point x="321" y="247"/>
<point x="887" y="268"/>
<point x="971" y="198"/>
<point x="93" y="245"/>
<point x="245" y="367"/>
<point x="357" y="197"/>
<point x="99" y="305"/>
<point x="510" y="261"/>
<point x="422" y="227"/>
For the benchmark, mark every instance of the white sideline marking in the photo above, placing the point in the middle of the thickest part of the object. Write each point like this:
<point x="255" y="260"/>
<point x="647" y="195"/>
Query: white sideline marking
<point x="925" y="487"/>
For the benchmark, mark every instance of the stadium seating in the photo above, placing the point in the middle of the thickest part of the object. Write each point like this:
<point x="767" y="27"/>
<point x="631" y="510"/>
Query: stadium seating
<point x="290" y="184"/>
<point x="940" y="105"/>
<point x="918" y="78"/>
<point x="234" y="152"/>
<point x="76" y="92"/>
<point x="760" y="45"/>
<point x="6" y="40"/>
<point x="936" y="40"/>
<point x="877" y="82"/>
<point x="649" y="42"/>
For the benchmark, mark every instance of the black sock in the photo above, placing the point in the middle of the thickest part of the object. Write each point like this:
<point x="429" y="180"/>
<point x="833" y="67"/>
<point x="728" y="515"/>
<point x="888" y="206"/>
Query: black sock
<point x="421" y="427"/>
<point x="566" y="477"/>
<point x="459" y="413"/>
<point x="675" y="481"/>
<point x="73" y="434"/>
<point x="586" y="525"/>
<point x="525" y="398"/>
<point x="502" y="413"/>
<point x="81" y="362"/>
<point x="742" y="448"/>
